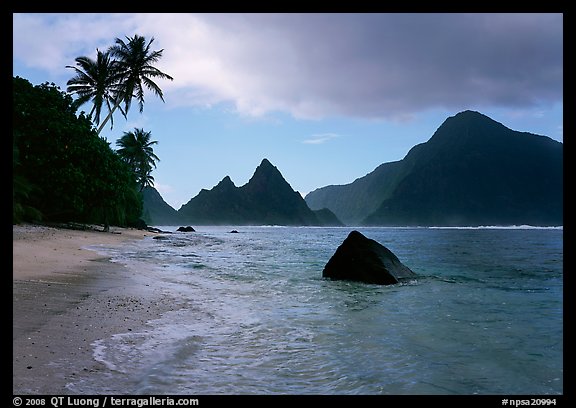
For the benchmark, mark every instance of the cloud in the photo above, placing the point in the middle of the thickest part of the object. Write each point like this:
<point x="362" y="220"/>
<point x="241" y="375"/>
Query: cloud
<point x="163" y="188"/>
<point x="52" y="41"/>
<point x="320" y="138"/>
<point x="386" y="66"/>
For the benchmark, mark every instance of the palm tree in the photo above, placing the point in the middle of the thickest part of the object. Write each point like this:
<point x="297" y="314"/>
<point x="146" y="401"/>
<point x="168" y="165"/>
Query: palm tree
<point x="118" y="75"/>
<point x="136" y="150"/>
<point x="95" y="81"/>
<point x="136" y="71"/>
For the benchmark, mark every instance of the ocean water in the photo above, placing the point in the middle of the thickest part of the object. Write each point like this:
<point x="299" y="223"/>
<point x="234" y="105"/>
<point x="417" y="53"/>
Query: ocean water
<point x="255" y="316"/>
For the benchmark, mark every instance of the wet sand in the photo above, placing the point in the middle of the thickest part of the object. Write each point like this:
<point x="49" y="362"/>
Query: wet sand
<point x="65" y="297"/>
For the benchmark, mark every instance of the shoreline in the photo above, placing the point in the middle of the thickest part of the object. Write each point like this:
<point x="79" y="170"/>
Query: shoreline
<point x="65" y="298"/>
<point x="40" y="251"/>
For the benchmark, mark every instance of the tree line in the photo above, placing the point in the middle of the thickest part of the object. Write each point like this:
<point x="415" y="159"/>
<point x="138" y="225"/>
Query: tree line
<point x="62" y="169"/>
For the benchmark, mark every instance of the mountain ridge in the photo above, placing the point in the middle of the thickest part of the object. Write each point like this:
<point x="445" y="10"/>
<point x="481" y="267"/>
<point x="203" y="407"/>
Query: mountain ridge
<point x="156" y="211"/>
<point x="267" y="199"/>
<point x="472" y="171"/>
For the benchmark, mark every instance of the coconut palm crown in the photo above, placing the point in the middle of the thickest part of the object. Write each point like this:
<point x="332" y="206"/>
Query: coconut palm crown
<point x="96" y="81"/>
<point x="135" y="63"/>
<point x="117" y="76"/>
<point x="136" y="150"/>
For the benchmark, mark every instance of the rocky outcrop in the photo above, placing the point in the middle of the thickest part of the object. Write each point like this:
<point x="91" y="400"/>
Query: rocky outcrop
<point x="186" y="229"/>
<point x="362" y="259"/>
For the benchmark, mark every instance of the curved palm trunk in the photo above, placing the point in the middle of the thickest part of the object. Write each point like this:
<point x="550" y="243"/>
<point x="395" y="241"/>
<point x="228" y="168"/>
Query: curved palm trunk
<point x="108" y="117"/>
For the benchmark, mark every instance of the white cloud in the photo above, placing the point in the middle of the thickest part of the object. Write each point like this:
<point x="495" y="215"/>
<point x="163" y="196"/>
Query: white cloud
<point x="320" y="138"/>
<point x="318" y="65"/>
<point x="163" y="188"/>
<point x="52" y="41"/>
<point x="140" y="121"/>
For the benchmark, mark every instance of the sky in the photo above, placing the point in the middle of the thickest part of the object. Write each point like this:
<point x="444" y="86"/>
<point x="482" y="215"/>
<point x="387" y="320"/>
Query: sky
<point x="326" y="98"/>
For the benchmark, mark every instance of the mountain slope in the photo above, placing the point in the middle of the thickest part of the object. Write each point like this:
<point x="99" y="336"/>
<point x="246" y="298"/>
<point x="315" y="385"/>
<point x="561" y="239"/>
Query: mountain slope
<point x="271" y="200"/>
<point x="327" y="218"/>
<point x="156" y="211"/>
<point x="353" y="202"/>
<point x="473" y="171"/>
<point x="267" y="199"/>
<point x="220" y="205"/>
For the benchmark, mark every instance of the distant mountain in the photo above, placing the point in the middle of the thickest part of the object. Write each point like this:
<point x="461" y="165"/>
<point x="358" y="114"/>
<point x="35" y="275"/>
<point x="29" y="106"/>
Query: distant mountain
<point x="267" y="199"/>
<point x="219" y="206"/>
<point x="327" y="218"/>
<point x="472" y="171"/>
<point x="353" y="202"/>
<point x="156" y="211"/>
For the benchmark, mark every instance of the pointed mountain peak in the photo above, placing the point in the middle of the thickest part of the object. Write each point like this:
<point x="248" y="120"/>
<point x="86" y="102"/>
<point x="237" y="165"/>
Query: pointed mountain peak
<point x="267" y="199"/>
<point x="226" y="181"/>
<point x="225" y="184"/>
<point x="266" y="169"/>
<point x="265" y="163"/>
<point x="267" y="177"/>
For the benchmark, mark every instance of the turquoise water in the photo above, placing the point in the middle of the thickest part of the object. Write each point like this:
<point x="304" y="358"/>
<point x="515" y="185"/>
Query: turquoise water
<point x="255" y="316"/>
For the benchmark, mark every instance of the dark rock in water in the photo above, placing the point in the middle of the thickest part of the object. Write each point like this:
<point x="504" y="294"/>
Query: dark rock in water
<point x="233" y="232"/>
<point x="154" y="229"/>
<point x="160" y="237"/>
<point x="141" y="225"/>
<point x="186" y="229"/>
<point x="362" y="259"/>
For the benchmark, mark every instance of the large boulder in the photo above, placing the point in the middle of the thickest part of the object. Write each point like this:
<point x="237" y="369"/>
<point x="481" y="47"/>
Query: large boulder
<point x="362" y="259"/>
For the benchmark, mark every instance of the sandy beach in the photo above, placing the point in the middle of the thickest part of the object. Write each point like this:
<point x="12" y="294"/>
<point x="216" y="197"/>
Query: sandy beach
<point x="40" y="252"/>
<point x="65" y="297"/>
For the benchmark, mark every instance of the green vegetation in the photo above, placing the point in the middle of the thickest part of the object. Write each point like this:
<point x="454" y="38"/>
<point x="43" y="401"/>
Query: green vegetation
<point x="136" y="150"/>
<point x="62" y="169"/>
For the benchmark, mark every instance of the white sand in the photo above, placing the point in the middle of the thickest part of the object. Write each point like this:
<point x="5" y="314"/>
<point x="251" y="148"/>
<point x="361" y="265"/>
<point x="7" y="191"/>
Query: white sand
<point x="64" y="299"/>
<point x="39" y="251"/>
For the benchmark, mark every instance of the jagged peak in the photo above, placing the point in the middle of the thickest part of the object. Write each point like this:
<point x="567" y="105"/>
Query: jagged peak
<point x="266" y="165"/>
<point x="265" y="162"/>
<point x="266" y="199"/>
<point x="225" y="184"/>
<point x="266" y="177"/>
<point x="265" y="169"/>
<point x="226" y="180"/>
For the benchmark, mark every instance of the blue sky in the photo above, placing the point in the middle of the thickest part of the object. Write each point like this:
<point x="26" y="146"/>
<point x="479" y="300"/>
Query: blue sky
<point x="325" y="97"/>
